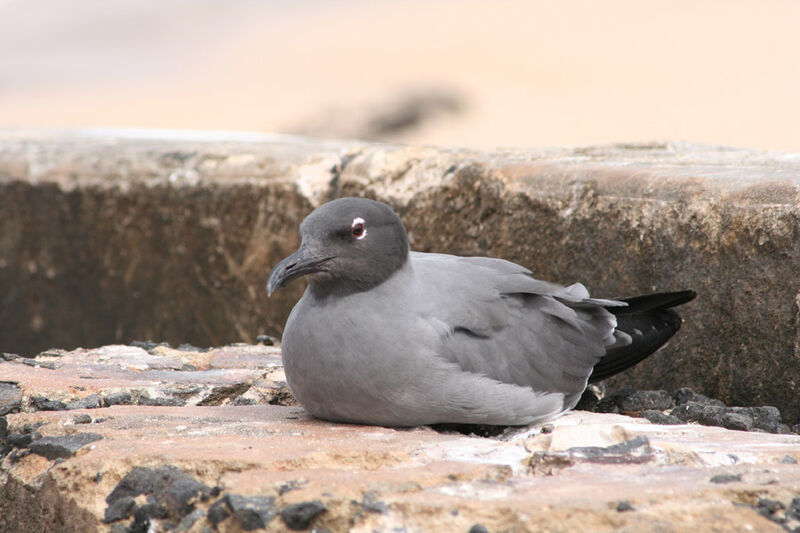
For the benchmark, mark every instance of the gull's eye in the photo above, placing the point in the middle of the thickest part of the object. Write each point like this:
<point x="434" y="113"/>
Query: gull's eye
<point x="358" y="229"/>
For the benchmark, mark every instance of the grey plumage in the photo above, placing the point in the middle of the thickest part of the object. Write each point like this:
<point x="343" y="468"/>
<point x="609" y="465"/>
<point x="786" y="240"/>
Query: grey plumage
<point x="390" y="337"/>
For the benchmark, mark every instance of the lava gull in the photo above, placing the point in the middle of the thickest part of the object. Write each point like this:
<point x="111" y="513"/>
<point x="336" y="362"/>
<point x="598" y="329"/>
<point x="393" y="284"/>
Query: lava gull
<point x="386" y="336"/>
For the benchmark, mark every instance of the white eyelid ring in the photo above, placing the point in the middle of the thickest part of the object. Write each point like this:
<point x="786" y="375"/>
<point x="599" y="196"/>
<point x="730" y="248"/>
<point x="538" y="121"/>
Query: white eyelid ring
<point x="358" y="228"/>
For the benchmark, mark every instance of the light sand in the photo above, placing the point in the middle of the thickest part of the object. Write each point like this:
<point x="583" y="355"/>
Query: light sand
<point x="541" y="72"/>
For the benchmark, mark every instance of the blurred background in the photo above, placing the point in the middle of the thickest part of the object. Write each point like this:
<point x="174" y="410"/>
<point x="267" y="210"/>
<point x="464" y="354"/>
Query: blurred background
<point x="469" y="73"/>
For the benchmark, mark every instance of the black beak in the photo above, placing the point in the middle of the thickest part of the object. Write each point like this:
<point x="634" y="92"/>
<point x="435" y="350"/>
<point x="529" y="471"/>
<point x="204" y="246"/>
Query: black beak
<point x="298" y="264"/>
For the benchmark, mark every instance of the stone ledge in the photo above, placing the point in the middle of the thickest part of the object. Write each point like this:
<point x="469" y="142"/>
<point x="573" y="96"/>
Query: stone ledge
<point x="250" y="459"/>
<point x="110" y="236"/>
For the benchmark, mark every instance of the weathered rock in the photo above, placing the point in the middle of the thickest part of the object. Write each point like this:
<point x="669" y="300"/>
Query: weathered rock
<point x="629" y="400"/>
<point x="170" y="495"/>
<point x="726" y="478"/>
<point x="10" y="397"/>
<point x="624" y="506"/>
<point x="218" y="511"/>
<point x="686" y="395"/>
<point x="44" y="404"/>
<point x="125" y="375"/>
<point x="82" y="418"/>
<point x="631" y="451"/>
<point x="170" y="486"/>
<point x="144" y="516"/>
<point x="767" y="418"/>
<point x="19" y="440"/>
<point x="372" y="504"/>
<point x="742" y="421"/>
<point x="709" y="415"/>
<point x="263" y="459"/>
<point x="371" y="478"/>
<point x="93" y="401"/>
<point x="63" y="445"/>
<point x="119" y="398"/>
<point x="657" y="417"/>
<point x="252" y="512"/>
<point x="188" y="521"/>
<point x="120" y="509"/>
<point x="298" y="516"/>
<point x="589" y="400"/>
<point x="176" y="236"/>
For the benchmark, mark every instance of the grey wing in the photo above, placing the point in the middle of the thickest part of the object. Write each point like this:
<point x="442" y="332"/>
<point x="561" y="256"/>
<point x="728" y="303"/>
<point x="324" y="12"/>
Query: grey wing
<point x="504" y="324"/>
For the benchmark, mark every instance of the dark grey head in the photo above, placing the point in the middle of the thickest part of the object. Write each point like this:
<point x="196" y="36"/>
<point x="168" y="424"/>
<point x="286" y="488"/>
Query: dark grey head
<point x="348" y="245"/>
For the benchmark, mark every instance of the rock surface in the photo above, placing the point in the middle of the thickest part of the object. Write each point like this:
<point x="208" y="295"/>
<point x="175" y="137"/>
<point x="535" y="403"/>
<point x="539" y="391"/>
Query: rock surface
<point x="113" y="236"/>
<point x="243" y="461"/>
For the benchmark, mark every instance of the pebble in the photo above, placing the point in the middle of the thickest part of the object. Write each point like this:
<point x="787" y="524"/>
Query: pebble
<point x="685" y="395"/>
<point x="19" y="440"/>
<point x="641" y="400"/>
<point x="738" y="421"/>
<point x="624" y="506"/>
<point x="770" y="506"/>
<point x="298" y="516"/>
<point x="63" y="445"/>
<point x="686" y="406"/>
<point x="266" y="340"/>
<point x="725" y="478"/>
<point x="93" y="401"/>
<point x="119" y="510"/>
<point x="119" y="398"/>
<point x="148" y="345"/>
<point x="188" y="521"/>
<point x="170" y="492"/>
<point x="10" y="398"/>
<point x="44" y="404"/>
<point x="162" y="401"/>
<point x="657" y="417"/>
<point x="218" y="511"/>
<point x="82" y="418"/>
<point x="252" y="512"/>
<point x="372" y="504"/>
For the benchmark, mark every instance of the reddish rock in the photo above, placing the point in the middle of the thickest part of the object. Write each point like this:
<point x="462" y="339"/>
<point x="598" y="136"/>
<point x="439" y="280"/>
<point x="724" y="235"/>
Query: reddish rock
<point x="241" y="466"/>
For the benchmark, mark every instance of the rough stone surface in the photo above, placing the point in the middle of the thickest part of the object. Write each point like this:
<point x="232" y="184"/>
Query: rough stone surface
<point x="298" y="516"/>
<point x="63" y="445"/>
<point x="128" y="375"/>
<point x="657" y="417"/>
<point x="120" y="509"/>
<point x="232" y="467"/>
<point x="10" y="397"/>
<point x="252" y="512"/>
<point x="629" y="400"/>
<point x="115" y="236"/>
<point x="686" y="395"/>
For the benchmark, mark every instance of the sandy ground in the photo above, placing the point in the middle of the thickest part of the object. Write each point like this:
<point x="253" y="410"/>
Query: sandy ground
<point x="539" y="72"/>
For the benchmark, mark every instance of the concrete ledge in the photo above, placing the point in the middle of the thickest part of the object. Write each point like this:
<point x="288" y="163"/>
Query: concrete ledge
<point x="110" y="236"/>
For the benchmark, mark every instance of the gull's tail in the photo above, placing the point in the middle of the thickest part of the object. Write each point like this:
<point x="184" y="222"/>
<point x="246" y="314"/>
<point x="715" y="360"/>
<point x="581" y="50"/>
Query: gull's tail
<point x="650" y="322"/>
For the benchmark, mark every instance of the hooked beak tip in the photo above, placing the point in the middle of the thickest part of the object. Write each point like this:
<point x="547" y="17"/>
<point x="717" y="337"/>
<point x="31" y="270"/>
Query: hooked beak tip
<point x="273" y="284"/>
<point x="298" y="264"/>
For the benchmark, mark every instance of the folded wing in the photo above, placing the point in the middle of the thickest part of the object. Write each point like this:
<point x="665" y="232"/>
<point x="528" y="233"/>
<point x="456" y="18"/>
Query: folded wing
<point x="500" y="322"/>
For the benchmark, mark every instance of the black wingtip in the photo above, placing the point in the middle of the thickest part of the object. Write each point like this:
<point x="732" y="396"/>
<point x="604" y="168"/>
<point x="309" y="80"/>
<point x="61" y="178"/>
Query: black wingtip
<point x="650" y="302"/>
<point x="650" y="321"/>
